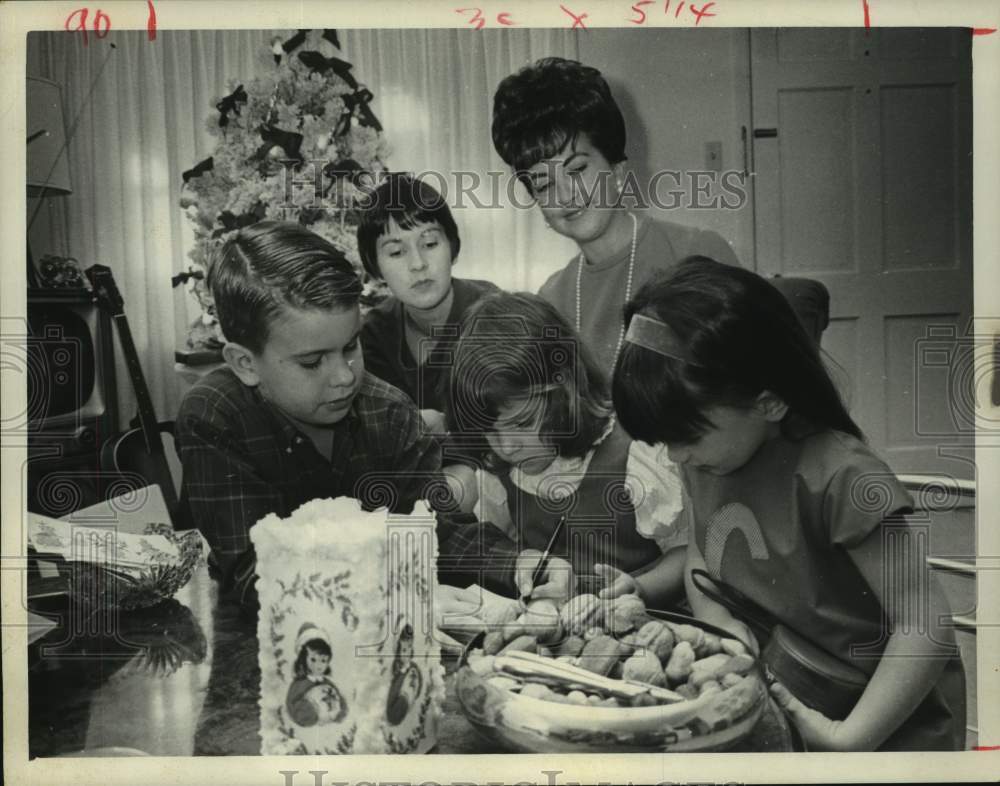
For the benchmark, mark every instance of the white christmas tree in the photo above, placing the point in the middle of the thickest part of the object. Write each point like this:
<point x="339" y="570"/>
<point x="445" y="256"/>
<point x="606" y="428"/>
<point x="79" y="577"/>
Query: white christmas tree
<point x="299" y="143"/>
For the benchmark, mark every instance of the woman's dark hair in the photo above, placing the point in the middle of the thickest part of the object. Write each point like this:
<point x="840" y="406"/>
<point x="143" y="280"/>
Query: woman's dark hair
<point x="316" y="645"/>
<point x="740" y="337"/>
<point x="546" y="105"/>
<point x="272" y="265"/>
<point x="513" y="345"/>
<point x="408" y="202"/>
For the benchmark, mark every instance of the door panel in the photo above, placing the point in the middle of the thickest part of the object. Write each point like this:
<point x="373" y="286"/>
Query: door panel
<point x="920" y="207"/>
<point x="867" y="188"/>
<point x="819" y="138"/>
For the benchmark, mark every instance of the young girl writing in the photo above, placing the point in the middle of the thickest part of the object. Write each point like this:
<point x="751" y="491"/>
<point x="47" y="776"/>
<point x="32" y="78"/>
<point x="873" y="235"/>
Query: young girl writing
<point x="787" y="503"/>
<point x="521" y="378"/>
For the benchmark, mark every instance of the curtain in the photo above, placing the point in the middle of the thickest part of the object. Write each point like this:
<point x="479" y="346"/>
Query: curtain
<point x="139" y="115"/>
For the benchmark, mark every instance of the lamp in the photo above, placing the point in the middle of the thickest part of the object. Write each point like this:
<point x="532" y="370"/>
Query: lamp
<point x="47" y="166"/>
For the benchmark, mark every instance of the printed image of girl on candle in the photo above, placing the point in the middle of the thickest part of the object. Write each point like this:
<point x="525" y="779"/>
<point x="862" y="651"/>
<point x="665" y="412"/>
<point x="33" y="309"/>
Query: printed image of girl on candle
<point x="407" y="682"/>
<point x="313" y="699"/>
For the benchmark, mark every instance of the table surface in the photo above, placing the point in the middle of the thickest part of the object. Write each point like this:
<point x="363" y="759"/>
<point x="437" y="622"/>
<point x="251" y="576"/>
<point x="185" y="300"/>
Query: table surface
<point x="182" y="679"/>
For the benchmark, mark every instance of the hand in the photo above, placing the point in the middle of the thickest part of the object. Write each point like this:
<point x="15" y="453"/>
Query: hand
<point x="455" y="608"/>
<point x="818" y="732"/>
<point x="433" y="421"/>
<point x="558" y="582"/>
<point x="616" y="582"/>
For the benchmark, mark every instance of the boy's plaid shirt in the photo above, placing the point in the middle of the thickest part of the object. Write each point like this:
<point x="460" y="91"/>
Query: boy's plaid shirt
<point x="243" y="459"/>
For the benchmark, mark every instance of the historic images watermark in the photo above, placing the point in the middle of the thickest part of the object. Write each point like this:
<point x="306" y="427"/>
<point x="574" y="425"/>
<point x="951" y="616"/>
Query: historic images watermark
<point x="321" y="184"/>
<point x="546" y="778"/>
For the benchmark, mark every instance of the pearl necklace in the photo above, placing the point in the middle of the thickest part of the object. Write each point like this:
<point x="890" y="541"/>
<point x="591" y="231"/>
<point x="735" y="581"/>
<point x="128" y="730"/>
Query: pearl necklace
<point x="628" y="286"/>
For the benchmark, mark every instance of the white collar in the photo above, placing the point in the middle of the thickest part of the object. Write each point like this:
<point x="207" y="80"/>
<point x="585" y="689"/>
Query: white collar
<point x="563" y="476"/>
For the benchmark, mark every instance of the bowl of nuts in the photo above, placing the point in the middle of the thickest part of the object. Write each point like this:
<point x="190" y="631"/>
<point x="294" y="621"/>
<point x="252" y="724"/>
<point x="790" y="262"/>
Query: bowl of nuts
<point x="608" y="675"/>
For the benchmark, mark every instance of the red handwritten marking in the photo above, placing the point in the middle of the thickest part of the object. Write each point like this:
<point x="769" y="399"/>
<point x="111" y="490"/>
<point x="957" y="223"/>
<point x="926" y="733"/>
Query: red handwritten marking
<point x="666" y="6"/>
<point x="577" y="20"/>
<point x="868" y="17"/>
<point x="151" y="21"/>
<point x="81" y="26"/>
<point x="642" y="14"/>
<point x="983" y="30"/>
<point x="504" y="19"/>
<point x="97" y="23"/>
<point x="702" y="12"/>
<point x="987" y="747"/>
<point x="679" y="9"/>
<point x="477" y="17"/>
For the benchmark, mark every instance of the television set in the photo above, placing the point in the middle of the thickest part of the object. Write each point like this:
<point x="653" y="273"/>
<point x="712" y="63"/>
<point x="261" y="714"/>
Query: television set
<point x="67" y="353"/>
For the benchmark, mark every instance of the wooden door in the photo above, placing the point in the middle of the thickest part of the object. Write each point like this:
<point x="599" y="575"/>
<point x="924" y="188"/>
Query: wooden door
<point x="862" y="148"/>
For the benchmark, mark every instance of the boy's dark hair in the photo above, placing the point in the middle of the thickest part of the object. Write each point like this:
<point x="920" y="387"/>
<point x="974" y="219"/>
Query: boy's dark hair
<point x="408" y="201"/>
<point x="273" y="265"/>
<point x="742" y="338"/>
<point x="517" y="344"/>
<point x="546" y="105"/>
<point x="316" y="645"/>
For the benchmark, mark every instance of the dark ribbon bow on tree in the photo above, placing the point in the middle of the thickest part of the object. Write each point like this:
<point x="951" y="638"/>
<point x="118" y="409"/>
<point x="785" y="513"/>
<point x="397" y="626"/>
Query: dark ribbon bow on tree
<point x="331" y="35"/>
<point x="358" y="100"/>
<point x="289" y="141"/>
<point x="314" y="61"/>
<point x="230" y="222"/>
<point x="295" y="41"/>
<point x="186" y="275"/>
<point x="299" y="38"/>
<point x="346" y="169"/>
<point x="231" y="103"/>
<point x="199" y="169"/>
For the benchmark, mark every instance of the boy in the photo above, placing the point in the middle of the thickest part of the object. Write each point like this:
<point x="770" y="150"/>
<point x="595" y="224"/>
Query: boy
<point x="293" y="416"/>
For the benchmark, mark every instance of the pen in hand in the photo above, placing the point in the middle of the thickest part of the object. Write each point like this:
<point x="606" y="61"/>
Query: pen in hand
<point x="543" y="563"/>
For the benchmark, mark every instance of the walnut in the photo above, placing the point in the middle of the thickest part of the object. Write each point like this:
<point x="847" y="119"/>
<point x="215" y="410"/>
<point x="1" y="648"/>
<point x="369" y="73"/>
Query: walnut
<point x="681" y="659"/>
<point x="625" y="613"/>
<point x="541" y="619"/>
<point x="521" y="643"/>
<point x="708" y="668"/>
<point x="645" y="667"/>
<point x="601" y="653"/>
<point x="658" y="638"/>
<point x="572" y="646"/>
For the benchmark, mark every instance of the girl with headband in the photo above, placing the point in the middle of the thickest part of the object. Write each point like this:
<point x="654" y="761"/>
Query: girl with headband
<point x="788" y="505"/>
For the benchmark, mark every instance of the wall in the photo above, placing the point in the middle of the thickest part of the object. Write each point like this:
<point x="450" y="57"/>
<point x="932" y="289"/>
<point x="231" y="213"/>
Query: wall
<point x="678" y="90"/>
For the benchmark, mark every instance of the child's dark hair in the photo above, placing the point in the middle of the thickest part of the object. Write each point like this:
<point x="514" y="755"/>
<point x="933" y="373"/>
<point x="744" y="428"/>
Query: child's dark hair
<point x="316" y="645"/>
<point x="407" y="201"/>
<point x="741" y="338"/>
<point x="517" y="344"/>
<point x="546" y="105"/>
<point x="273" y="265"/>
